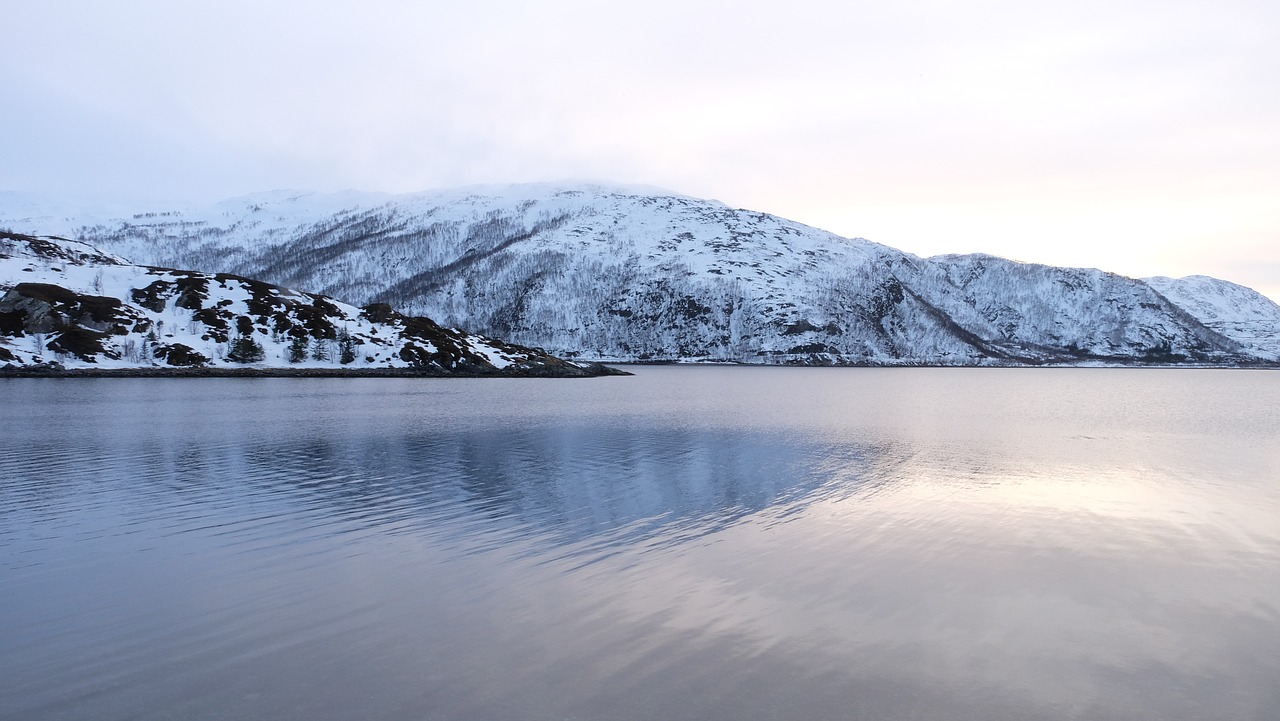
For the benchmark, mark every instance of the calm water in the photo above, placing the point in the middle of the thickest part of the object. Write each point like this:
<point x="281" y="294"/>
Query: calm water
<point x="689" y="543"/>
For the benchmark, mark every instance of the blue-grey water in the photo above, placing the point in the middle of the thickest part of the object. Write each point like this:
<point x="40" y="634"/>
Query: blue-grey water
<point x="688" y="543"/>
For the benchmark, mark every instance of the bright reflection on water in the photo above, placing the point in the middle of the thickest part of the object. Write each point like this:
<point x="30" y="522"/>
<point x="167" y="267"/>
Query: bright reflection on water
<point x="712" y="543"/>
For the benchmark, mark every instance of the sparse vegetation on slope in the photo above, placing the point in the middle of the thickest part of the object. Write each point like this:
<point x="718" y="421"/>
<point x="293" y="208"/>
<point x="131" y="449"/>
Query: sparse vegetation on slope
<point x="606" y="273"/>
<point x="147" y="317"/>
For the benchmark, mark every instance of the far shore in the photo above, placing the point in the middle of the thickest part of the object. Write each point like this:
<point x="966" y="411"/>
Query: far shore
<point x="586" y="370"/>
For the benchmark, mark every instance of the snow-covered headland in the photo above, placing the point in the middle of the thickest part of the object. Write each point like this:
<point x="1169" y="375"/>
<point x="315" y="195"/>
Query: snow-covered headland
<point x="67" y="307"/>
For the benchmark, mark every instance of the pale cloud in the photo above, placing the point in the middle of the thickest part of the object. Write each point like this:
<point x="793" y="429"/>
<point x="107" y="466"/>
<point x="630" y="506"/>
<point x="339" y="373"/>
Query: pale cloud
<point x="1130" y="135"/>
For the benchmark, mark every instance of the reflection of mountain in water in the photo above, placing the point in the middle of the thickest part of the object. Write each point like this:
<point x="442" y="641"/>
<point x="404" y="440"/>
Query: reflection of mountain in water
<point x="566" y="484"/>
<point x="572" y="485"/>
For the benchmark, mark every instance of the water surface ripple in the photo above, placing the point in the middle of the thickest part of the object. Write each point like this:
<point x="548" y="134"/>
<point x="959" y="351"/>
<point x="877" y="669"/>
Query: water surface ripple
<point x="736" y="543"/>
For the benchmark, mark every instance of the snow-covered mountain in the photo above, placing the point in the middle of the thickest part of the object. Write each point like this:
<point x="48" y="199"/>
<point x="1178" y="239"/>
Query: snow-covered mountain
<point x="613" y="273"/>
<point x="66" y="304"/>
<point x="1242" y="314"/>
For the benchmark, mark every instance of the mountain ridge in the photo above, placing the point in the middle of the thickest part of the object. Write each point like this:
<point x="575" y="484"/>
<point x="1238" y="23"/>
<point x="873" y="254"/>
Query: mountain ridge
<point x="610" y="273"/>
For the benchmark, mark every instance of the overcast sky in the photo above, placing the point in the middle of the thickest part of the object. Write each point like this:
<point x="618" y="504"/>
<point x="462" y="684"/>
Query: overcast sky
<point x="1139" y="137"/>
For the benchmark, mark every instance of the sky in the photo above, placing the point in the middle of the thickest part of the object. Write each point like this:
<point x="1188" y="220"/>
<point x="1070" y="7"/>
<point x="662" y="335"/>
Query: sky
<point x="1136" y="136"/>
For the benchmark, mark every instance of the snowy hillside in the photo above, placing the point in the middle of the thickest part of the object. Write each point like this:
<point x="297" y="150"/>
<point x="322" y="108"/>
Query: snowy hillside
<point x="612" y="273"/>
<point x="1235" y="311"/>
<point x="65" y="303"/>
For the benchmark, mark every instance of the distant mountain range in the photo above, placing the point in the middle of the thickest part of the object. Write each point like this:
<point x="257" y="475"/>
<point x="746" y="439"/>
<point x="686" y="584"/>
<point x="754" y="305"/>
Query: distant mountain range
<point x="618" y="274"/>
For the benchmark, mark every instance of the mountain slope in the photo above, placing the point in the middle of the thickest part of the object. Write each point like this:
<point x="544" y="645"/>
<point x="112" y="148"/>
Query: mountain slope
<point x="1235" y="311"/>
<point x="620" y="274"/>
<point x="65" y="304"/>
